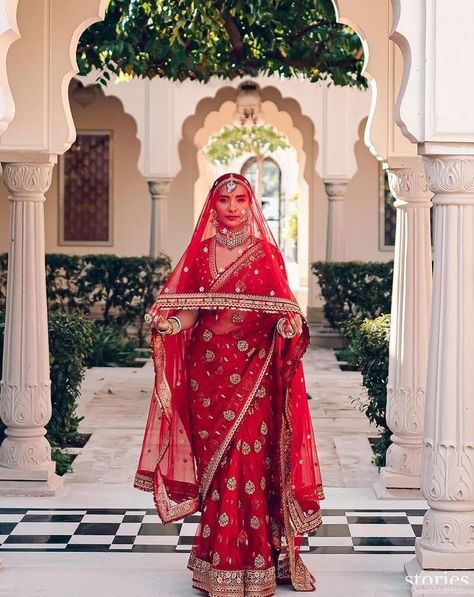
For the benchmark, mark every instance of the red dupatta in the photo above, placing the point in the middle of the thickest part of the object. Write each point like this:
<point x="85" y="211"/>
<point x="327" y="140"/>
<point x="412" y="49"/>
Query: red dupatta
<point x="166" y="464"/>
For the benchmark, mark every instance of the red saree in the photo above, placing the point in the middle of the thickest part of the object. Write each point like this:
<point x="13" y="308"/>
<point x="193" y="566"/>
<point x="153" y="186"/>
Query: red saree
<point x="229" y="431"/>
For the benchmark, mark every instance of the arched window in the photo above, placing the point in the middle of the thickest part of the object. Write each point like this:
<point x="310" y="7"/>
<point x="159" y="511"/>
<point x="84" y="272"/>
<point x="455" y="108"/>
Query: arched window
<point x="268" y="183"/>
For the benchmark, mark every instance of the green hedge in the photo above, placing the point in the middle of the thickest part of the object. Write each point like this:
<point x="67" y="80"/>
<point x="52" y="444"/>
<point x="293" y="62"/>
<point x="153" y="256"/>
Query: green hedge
<point x="120" y="289"/>
<point x="71" y="339"/>
<point x="354" y="289"/>
<point x="369" y="340"/>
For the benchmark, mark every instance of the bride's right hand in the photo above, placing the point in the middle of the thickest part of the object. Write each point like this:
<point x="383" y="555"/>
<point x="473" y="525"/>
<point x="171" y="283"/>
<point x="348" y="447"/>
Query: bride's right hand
<point x="161" y="324"/>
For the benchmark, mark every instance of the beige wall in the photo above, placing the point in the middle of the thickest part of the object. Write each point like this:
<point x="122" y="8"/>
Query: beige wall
<point x="130" y="198"/>
<point x="362" y="207"/>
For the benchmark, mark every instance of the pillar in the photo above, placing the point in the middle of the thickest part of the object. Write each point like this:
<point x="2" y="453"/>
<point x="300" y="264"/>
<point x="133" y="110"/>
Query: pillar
<point x="25" y="405"/>
<point x="409" y="330"/>
<point x="159" y="190"/>
<point x="447" y="482"/>
<point x="335" y="245"/>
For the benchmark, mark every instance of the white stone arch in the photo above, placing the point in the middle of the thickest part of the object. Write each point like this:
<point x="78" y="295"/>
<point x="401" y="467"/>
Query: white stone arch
<point x="345" y="15"/>
<point x="8" y="34"/>
<point x="192" y="182"/>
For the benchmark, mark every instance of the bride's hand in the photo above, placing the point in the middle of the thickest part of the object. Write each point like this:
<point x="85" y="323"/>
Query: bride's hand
<point x="161" y="324"/>
<point x="290" y="326"/>
<point x="295" y="322"/>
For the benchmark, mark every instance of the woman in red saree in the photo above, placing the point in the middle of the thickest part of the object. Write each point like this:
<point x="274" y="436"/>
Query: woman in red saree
<point x="229" y="431"/>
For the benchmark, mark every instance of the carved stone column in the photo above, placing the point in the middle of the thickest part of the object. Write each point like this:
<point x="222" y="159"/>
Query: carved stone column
<point x="159" y="190"/>
<point x="409" y="331"/>
<point x="447" y="482"/>
<point x="335" y="245"/>
<point x="25" y="406"/>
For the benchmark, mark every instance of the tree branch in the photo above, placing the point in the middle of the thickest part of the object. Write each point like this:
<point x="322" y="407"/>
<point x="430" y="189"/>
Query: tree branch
<point x="234" y="34"/>
<point x="307" y="29"/>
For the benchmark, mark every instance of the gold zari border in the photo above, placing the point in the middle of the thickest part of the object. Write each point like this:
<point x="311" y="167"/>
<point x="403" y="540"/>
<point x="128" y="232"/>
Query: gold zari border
<point x="143" y="482"/>
<point x="220" y="300"/>
<point x="251" y="254"/>
<point x="231" y="583"/>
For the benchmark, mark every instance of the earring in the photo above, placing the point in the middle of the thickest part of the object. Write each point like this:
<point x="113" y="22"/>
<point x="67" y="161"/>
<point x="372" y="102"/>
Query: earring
<point x="213" y="217"/>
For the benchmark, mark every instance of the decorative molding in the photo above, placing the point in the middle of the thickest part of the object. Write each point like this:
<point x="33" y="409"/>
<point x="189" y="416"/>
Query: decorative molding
<point x="404" y="459"/>
<point x="448" y="472"/>
<point x="28" y="406"/>
<point x="27" y="454"/>
<point x="450" y="174"/>
<point x="409" y="185"/>
<point x="448" y="531"/>
<point x="27" y="181"/>
<point x="405" y="410"/>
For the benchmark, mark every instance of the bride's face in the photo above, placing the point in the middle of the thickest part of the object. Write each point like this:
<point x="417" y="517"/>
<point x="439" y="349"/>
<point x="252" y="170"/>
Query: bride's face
<point x="232" y="207"/>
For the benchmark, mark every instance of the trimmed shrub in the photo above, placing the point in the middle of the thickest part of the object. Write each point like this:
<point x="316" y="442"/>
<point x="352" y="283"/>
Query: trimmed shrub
<point x="369" y="339"/>
<point x="111" y="348"/>
<point x="354" y="289"/>
<point x="124" y="287"/>
<point x="71" y="339"/>
<point x="117" y="289"/>
<point x="62" y="275"/>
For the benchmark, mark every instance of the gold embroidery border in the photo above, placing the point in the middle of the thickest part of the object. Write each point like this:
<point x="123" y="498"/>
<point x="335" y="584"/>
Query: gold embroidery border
<point x="223" y="300"/>
<point x="220" y="279"/>
<point x="304" y="523"/>
<point x="301" y="577"/>
<point x="211" y="468"/>
<point x="167" y="511"/>
<point x="231" y="583"/>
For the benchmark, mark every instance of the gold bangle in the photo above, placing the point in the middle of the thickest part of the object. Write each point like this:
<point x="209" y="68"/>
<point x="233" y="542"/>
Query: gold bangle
<point x="280" y="325"/>
<point x="176" y="326"/>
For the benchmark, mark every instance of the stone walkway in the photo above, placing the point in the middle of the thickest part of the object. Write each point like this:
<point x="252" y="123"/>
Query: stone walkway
<point x="352" y="549"/>
<point x="115" y="404"/>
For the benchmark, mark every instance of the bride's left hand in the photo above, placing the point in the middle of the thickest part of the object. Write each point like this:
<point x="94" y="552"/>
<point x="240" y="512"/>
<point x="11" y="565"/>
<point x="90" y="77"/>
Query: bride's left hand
<point x="295" y="322"/>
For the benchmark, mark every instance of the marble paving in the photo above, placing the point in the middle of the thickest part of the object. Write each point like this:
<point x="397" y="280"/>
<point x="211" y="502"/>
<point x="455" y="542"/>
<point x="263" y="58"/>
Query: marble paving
<point x="101" y="536"/>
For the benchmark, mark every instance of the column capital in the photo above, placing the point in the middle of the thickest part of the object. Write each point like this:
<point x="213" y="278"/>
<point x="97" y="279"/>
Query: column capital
<point x="159" y="187"/>
<point x="27" y="181"/>
<point x="451" y="175"/>
<point x="409" y="186"/>
<point x="336" y="189"/>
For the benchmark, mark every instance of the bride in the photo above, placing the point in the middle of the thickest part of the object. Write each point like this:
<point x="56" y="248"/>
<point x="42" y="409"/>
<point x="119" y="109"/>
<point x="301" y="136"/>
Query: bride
<point x="229" y="432"/>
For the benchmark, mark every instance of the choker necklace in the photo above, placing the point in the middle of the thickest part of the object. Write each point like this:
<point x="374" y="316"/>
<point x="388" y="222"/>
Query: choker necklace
<point x="230" y="239"/>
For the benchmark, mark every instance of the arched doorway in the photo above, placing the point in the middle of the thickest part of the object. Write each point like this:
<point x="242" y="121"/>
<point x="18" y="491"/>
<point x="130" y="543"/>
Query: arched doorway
<point x="266" y="176"/>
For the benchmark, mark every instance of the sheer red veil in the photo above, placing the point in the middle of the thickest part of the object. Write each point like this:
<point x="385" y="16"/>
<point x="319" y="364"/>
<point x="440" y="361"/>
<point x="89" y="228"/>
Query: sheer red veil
<point x="166" y="464"/>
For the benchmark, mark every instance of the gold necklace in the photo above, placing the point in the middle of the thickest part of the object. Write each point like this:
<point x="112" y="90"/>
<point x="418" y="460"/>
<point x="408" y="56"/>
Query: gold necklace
<point x="230" y="238"/>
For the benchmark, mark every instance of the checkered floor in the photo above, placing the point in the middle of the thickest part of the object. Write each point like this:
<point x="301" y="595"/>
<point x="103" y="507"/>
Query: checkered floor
<point x="89" y="530"/>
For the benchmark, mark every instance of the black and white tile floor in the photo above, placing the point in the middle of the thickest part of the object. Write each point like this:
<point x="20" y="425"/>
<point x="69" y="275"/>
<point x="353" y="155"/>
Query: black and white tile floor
<point x="343" y="531"/>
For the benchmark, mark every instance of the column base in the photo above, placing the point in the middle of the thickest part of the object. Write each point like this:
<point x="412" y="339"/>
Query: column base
<point x="53" y="486"/>
<point x="19" y="474"/>
<point x="441" y="583"/>
<point x="385" y="493"/>
<point x="393" y="480"/>
<point x="437" y="560"/>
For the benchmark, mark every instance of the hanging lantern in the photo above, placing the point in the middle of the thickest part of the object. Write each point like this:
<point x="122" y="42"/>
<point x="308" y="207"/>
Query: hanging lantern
<point x="248" y="110"/>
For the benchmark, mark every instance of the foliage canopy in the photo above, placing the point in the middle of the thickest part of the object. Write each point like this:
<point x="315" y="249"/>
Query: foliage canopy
<point x="233" y="141"/>
<point x="198" y="39"/>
